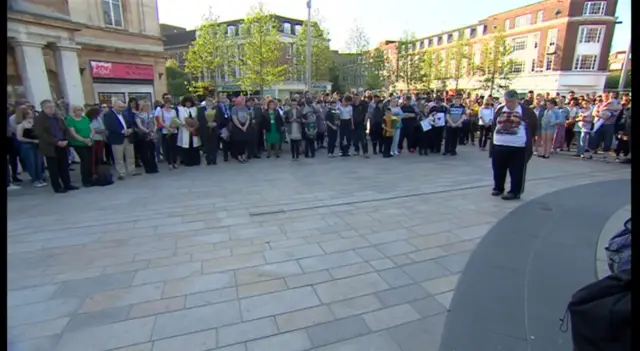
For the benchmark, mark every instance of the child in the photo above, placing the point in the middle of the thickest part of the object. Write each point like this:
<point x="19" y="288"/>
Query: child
<point x="388" y="132"/>
<point x="332" y="120"/>
<point x="582" y="128"/>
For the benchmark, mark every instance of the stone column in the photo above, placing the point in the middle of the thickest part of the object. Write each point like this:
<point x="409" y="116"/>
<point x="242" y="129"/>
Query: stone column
<point x="69" y="73"/>
<point x="33" y="71"/>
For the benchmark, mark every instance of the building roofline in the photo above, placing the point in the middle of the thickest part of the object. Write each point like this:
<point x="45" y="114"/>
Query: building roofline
<point x="520" y="8"/>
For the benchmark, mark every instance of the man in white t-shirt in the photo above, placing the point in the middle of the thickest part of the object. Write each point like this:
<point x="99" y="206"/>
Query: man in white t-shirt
<point x="514" y="127"/>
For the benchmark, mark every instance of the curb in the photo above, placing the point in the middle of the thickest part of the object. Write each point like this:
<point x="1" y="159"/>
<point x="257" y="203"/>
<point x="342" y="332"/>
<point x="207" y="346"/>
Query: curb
<point x="613" y="226"/>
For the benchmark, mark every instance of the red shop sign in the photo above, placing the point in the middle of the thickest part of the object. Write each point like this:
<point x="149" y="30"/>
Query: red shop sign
<point x="117" y="70"/>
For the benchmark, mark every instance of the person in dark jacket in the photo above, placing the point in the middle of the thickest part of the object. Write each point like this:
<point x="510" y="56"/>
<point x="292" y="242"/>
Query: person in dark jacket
<point x="623" y="129"/>
<point x="514" y="128"/>
<point x="375" y="131"/>
<point x="120" y="136"/>
<point x="208" y="131"/>
<point x="130" y="115"/>
<point x="223" y="120"/>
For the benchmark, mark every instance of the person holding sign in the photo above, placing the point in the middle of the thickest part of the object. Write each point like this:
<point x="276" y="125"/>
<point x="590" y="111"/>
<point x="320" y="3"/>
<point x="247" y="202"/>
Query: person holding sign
<point x="424" y="138"/>
<point x="456" y="116"/>
<point x="438" y="112"/>
<point x="515" y="126"/>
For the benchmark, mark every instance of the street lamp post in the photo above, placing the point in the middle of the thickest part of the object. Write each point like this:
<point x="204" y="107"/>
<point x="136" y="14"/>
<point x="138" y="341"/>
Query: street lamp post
<point x="625" y="68"/>
<point x="309" y="29"/>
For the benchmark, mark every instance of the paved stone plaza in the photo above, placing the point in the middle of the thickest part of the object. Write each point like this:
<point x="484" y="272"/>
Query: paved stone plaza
<point x="340" y="254"/>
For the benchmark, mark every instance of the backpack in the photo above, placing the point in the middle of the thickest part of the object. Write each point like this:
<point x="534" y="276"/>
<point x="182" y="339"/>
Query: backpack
<point x="601" y="314"/>
<point x="103" y="176"/>
<point x="619" y="249"/>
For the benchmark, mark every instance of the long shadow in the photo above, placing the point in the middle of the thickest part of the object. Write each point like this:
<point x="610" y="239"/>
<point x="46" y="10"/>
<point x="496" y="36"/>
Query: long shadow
<point x="518" y="281"/>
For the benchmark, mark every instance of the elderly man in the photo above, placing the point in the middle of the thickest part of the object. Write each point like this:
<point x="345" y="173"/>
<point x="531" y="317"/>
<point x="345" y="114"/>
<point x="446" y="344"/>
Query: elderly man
<point x="119" y="135"/>
<point x="515" y="125"/>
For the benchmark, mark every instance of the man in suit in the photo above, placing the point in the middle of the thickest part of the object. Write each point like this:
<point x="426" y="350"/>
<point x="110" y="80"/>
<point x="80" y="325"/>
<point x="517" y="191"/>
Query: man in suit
<point x="119" y="135"/>
<point x="253" y="148"/>
<point x="294" y="112"/>
<point x="53" y="141"/>
<point x="223" y="120"/>
<point x="258" y="119"/>
<point x="208" y="131"/>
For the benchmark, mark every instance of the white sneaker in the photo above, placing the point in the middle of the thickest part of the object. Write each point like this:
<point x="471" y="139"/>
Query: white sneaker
<point x="39" y="184"/>
<point x="13" y="187"/>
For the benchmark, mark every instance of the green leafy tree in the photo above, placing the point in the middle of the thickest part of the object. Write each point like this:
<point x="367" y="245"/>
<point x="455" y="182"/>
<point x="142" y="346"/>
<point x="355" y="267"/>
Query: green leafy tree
<point x="410" y="64"/>
<point x="259" y="57"/>
<point x="377" y="68"/>
<point x="496" y="67"/>
<point x="321" y="58"/>
<point x="438" y="70"/>
<point x="460" y="55"/>
<point x="428" y="68"/>
<point x="177" y="79"/>
<point x="210" y="52"/>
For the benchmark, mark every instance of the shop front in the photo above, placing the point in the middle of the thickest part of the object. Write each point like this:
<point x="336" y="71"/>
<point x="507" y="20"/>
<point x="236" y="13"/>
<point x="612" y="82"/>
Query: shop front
<point x="117" y="81"/>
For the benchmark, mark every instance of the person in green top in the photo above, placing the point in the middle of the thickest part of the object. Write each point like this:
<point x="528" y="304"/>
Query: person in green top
<point x="272" y="127"/>
<point x="81" y="140"/>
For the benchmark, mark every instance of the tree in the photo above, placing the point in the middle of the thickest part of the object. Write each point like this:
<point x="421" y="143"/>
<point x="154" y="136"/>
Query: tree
<point x="496" y="67"/>
<point x="259" y="57"/>
<point x="377" y="68"/>
<point x="613" y="80"/>
<point x="358" y="43"/>
<point x="460" y="56"/>
<point x="209" y="53"/>
<point x="320" y="53"/>
<point x="177" y="79"/>
<point x="409" y="61"/>
<point x="428" y="68"/>
<point x="438" y="72"/>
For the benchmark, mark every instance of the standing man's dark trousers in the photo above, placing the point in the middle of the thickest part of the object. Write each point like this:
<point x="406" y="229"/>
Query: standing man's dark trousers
<point x="463" y="134"/>
<point x="345" y="137"/>
<point x="451" y="140"/>
<point x="58" y="167"/>
<point x="360" y="139"/>
<point x="407" y="132"/>
<point x="424" y="142"/>
<point x="252" y="142"/>
<point x="210" y="145"/>
<point x="375" y="134"/>
<point x="436" y="139"/>
<point x="508" y="159"/>
<point x="260" y="140"/>
<point x="332" y="138"/>
<point x="309" y="146"/>
<point x="226" y="148"/>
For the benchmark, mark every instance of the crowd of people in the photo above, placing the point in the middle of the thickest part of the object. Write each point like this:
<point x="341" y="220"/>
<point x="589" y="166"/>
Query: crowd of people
<point x="138" y="135"/>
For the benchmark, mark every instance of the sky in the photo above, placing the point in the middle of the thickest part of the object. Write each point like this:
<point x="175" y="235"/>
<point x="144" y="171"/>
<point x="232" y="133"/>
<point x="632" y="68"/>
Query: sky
<point x="374" y="16"/>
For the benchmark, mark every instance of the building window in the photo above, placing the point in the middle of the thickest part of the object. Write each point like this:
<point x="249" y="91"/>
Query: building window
<point x="297" y="29"/>
<point x="594" y="8"/>
<point x="449" y="38"/>
<point x="540" y="16"/>
<point x="536" y="40"/>
<point x="548" y="63"/>
<point x="590" y="35"/>
<point x="286" y="27"/>
<point x="472" y="32"/>
<point x="231" y="31"/>
<point x="585" y="63"/>
<point x="507" y="24"/>
<point x="552" y="37"/>
<point x="439" y="40"/>
<point x="533" y="65"/>
<point x="421" y="45"/>
<point x="518" y="67"/>
<point x="112" y="11"/>
<point x="519" y="44"/>
<point x="522" y="21"/>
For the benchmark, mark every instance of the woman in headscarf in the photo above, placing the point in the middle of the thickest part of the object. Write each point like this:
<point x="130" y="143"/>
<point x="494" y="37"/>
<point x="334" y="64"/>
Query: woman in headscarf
<point x="188" y="140"/>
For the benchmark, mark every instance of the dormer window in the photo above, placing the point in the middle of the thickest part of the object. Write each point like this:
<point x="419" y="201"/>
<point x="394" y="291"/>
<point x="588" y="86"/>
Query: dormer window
<point x="298" y="29"/>
<point x="231" y="31"/>
<point x="286" y="28"/>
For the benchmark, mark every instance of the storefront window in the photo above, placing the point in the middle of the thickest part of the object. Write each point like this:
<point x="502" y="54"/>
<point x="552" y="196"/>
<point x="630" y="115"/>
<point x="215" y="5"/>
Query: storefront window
<point x="110" y="98"/>
<point x="141" y="96"/>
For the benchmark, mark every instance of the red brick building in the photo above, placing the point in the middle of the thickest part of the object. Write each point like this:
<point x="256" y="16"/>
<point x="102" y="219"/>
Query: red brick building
<point x="559" y="45"/>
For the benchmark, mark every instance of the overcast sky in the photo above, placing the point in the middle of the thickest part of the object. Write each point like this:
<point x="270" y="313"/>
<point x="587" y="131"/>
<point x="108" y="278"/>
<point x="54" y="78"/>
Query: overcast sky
<point x="379" y="21"/>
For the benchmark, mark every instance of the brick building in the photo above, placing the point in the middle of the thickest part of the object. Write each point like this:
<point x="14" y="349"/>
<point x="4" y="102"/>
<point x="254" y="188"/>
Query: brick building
<point x="176" y="44"/>
<point x="84" y="50"/>
<point x="559" y="45"/>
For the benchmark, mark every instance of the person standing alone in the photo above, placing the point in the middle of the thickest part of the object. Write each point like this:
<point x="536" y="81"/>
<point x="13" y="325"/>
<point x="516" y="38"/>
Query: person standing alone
<point x="514" y="126"/>
<point x="455" y="119"/>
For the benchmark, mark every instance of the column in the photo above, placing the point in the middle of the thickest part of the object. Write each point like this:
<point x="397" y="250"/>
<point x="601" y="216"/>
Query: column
<point x="69" y="74"/>
<point x="33" y="71"/>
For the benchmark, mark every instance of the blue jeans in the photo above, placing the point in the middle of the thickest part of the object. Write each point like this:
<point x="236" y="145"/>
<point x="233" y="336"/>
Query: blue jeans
<point x="394" y="143"/>
<point x="583" y="141"/>
<point x="604" y="135"/>
<point x="33" y="161"/>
